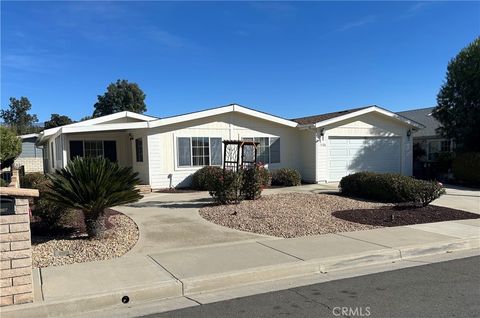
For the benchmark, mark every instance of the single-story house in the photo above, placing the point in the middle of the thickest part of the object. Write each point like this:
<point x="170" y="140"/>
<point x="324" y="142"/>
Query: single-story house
<point x="31" y="157"/>
<point x="166" y="151"/>
<point x="427" y="143"/>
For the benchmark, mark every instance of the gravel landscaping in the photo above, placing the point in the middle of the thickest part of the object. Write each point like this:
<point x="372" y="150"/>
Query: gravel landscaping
<point x="301" y="214"/>
<point x="55" y="250"/>
<point x="289" y="215"/>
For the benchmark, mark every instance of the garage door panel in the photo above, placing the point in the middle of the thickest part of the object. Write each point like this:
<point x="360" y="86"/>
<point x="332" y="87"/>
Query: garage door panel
<point x="350" y="155"/>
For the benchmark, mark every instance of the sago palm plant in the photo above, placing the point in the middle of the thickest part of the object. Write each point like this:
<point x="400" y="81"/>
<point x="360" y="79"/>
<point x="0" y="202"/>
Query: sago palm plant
<point x="93" y="185"/>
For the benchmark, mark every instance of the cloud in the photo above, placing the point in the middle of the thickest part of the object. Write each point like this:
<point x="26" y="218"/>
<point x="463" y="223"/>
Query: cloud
<point x="357" y="23"/>
<point x="415" y="9"/>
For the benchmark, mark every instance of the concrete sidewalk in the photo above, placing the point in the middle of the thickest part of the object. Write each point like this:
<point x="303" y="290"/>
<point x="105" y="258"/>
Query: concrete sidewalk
<point x="190" y="272"/>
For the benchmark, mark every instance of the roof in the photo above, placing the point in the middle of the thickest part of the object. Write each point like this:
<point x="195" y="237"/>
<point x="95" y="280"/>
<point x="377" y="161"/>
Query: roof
<point x="424" y="117"/>
<point x="331" y="118"/>
<point x="28" y="136"/>
<point x="318" y="118"/>
<point x="222" y="110"/>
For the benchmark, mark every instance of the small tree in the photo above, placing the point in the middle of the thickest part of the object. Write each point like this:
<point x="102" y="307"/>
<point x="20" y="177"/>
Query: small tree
<point x="10" y="147"/>
<point x="57" y="120"/>
<point x="93" y="185"/>
<point x="17" y="116"/>
<point x="458" y="102"/>
<point x="120" y="96"/>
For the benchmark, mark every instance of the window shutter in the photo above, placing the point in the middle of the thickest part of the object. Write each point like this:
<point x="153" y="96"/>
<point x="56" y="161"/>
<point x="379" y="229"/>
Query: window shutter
<point x="216" y="151"/>
<point x="110" y="150"/>
<point x="76" y="149"/>
<point x="275" y="150"/>
<point x="184" y="152"/>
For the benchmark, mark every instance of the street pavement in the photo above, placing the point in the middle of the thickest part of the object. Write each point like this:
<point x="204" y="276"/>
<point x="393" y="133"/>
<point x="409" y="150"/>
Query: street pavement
<point x="446" y="289"/>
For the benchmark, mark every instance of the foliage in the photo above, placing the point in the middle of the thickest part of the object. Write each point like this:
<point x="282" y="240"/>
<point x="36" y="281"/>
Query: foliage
<point x="203" y="178"/>
<point x="120" y="96"/>
<point x="390" y="187"/>
<point x="93" y="185"/>
<point x="252" y="185"/>
<point x="10" y="147"/>
<point x="264" y="175"/>
<point x="57" y="120"/>
<point x="227" y="188"/>
<point x="86" y="118"/>
<point x="286" y="177"/>
<point x="466" y="167"/>
<point x="458" y="102"/>
<point x="17" y="117"/>
<point x="3" y="183"/>
<point x="51" y="214"/>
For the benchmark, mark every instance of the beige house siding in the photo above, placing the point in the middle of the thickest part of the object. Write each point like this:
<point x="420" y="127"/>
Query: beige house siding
<point x="164" y="171"/>
<point x="368" y="125"/>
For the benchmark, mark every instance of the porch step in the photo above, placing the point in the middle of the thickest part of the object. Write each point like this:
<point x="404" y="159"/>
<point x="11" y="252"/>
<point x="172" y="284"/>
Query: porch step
<point x="144" y="188"/>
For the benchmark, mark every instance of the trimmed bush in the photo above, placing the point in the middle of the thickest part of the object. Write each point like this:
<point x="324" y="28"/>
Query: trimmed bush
<point x="252" y="185"/>
<point x="286" y="177"/>
<point x="33" y="180"/>
<point x="390" y="187"/>
<point x="466" y="167"/>
<point x="202" y="178"/>
<point x="226" y="189"/>
<point x="264" y="175"/>
<point x="51" y="215"/>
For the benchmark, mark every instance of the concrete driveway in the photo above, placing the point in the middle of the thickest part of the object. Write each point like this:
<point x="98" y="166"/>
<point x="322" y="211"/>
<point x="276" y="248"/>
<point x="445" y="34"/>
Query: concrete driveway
<point x="460" y="198"/>
<point x="171" y="221"/>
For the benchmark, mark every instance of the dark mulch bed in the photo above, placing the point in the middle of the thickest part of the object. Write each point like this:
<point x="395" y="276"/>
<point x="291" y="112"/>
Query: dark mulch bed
<point x="75" y="225"/>
<point x="175" y="190"/>
<point x="396" y="216"/>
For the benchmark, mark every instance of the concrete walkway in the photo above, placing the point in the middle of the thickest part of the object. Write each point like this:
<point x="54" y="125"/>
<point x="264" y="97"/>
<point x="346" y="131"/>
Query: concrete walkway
<point x="460" y="198"/>
<point x="179" y="254"/>
<point x="194" y="271"/>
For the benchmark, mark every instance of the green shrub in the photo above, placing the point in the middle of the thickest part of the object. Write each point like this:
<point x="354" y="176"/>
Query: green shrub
<point x="252" y="185"/>
<point x="51" y="215"/>
<point x="3" y="183"/>
<point x="33" y="180"/>
<point x="390" y="187"/>
<point x="202" y="178"/>
<point x="264" y="175"/>
<point x="226" y="189"/>
<point x="466" y="167"/>
<point x="286" y="177"/>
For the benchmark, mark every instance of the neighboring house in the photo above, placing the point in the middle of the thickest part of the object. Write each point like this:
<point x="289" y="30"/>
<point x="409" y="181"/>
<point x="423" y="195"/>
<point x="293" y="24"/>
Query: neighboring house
<point x="32" y="155"/>
<point x="166" y="151"/>
<point x="427" y="142"/>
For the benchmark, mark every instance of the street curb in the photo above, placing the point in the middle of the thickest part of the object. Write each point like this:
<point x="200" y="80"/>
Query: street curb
<point x="236" y="279"/>
<point x="57" y="308"/>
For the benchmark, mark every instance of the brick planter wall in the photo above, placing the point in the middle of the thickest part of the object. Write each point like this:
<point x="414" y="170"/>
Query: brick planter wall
<point x="16" y="283"/>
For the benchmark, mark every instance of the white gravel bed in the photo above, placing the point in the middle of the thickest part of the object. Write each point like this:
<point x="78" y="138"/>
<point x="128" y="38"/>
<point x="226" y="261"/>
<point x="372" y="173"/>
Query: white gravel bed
<point x="119" y="239"/>
<point x="289" y="214"/>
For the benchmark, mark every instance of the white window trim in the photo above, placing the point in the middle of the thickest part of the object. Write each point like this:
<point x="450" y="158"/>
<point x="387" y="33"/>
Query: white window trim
<point x="192" y="167"/>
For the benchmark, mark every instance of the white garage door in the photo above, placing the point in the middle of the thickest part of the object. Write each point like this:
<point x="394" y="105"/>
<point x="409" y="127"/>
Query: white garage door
<point x="349" y="155"/>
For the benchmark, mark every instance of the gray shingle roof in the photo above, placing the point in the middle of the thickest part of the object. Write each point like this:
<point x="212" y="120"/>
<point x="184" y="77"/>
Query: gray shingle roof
<point x="317" y="118"/>
<point x="424" y="117"/>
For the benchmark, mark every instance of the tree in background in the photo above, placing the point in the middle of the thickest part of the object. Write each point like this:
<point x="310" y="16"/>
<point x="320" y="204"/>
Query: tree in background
<point x="57" y="120"/>
<point x="120" y="96"/>
<point x="10" y="147"/>
<point x="17" y="116"/>
<point x="458" y="102"/>
<point x="85" y="118"/>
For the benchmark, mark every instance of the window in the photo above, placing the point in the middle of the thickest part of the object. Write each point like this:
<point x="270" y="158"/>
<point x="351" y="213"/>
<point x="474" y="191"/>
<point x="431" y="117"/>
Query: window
<point x="94" y="148"/>
<point x="268" y="149"/>
<point x="53" y="156"/>
<point x="437" y="146"/>
<point x="139" y="149"/>
<point x="199" y="151"/>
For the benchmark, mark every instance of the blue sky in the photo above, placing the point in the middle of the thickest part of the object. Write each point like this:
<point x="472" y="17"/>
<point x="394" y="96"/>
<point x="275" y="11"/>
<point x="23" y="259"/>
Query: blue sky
<point x="288" y="58"/>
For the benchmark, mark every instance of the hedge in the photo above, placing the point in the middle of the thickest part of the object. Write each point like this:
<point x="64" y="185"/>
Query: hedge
<point x="202" y="178"/>
<point x="390" y="187"/>
<point x="286" y="177"/>
<point x="466" y="167"/>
